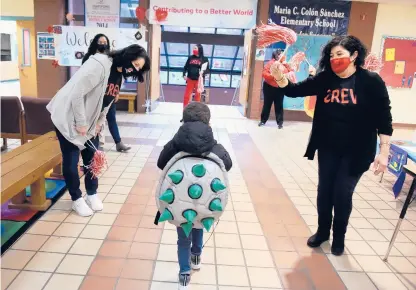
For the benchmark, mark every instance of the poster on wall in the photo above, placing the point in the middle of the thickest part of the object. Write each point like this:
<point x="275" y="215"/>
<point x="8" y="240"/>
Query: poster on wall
<point x="72" y="42"/>
<point x="399" y="62"/>
<point x="45" y="45"/>
<point x="312" y="46"/>
<point x="260" y="53"/>
<point x="206" y="13"/>
<point x="314" y="17"/>
<point x="102" y="13"/>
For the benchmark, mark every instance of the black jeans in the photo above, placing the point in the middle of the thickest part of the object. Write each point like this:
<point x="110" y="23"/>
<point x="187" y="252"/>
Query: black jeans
<point x="335" y="189"/>
<point x="70" y="158"/>
<point x="111" y="119"/>
<point x="276" y="96"/>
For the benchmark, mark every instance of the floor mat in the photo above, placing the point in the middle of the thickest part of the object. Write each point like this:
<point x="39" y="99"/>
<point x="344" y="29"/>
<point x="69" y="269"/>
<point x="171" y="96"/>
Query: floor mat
<point x="14" y="222"/>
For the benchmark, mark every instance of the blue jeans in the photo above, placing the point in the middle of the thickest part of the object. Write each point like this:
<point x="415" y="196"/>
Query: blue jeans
<point x="111" y="120"/>
<point x="70" y="158"/>
<point x="185" y="250"/>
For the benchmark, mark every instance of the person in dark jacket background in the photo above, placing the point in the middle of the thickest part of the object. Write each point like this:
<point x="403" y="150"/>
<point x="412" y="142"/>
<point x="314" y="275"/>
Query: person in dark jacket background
<point x="191" y="73"/>
<point x="352" y="108"/>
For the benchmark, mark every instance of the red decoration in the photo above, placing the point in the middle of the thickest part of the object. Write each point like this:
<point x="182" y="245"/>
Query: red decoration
<point x="297" y="59"/>
<point x="373" y="63"/>
<point x="140" y="14"/>
<point x="55" y="63"/>
<point x="161" y="14"/>
<point x="269" y="34"/>
<point x="50" y="29"/>
<point x="98" y="163"/>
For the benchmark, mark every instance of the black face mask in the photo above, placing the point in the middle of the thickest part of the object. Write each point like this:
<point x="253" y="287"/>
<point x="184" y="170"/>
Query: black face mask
<point x="102" y="48"/>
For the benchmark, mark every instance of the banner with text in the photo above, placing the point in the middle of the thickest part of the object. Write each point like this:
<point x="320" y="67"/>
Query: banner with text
<point x="315" y="17"/>
<point x="102" y="13"/>
<point x="206" y="13"/>
<point x="72" y="42"/>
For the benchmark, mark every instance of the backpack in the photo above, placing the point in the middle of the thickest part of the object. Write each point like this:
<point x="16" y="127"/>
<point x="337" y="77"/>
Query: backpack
<point x="192" y="191"/>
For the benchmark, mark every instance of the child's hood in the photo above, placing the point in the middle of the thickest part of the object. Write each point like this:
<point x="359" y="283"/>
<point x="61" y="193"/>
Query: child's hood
<point x="195" y="138"/>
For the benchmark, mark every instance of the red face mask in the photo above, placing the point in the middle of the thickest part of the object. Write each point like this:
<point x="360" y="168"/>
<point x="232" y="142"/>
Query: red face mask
<point x="339" y="65"/>
<point x="195" y="52"/>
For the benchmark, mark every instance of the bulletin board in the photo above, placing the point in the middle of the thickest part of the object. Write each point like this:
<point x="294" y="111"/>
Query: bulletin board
<point x="399" y="58"/>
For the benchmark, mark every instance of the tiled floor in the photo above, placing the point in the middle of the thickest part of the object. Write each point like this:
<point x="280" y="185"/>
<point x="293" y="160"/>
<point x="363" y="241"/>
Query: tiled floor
<point x="260" y="242"/>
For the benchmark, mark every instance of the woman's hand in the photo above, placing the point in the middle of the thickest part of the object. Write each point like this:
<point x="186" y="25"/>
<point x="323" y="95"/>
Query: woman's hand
<point x="275" y="71"/>
<point x="82" y="130"/>
<point x="380" y="163"/>
<point x="312" y="70"/>
<point x="98" y="129"/>
<point x="116" y="98"/>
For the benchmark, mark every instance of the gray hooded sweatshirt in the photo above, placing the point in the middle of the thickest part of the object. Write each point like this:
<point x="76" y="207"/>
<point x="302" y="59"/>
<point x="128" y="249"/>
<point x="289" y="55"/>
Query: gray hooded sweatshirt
<point x="79" y="103"/>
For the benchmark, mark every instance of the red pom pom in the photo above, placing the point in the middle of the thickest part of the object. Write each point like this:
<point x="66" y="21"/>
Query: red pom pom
<point x="98" y="163"/>
<point x="55" y="63"/>
<point x="140" y="13"/>
<point x="161" y="14"/>
<point x="272" y="33"/>
<point x="50" y="29"/>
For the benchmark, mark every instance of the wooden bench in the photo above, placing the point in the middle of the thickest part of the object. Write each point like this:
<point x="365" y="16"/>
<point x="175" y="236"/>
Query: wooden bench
<point x="130" y="97"/>
<point x="27" y="165"/>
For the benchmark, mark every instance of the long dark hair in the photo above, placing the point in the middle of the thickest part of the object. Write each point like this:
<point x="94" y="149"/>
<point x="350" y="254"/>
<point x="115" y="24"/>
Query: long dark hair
<point x="125" y="56"/>
<point x="350" y="43"/>
<point x="200" y="51"/>
<point x="92" y="49"/>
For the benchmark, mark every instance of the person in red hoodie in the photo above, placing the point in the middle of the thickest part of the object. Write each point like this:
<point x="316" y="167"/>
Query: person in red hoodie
<point x="191" y="73"/>
<point x="272" y="93"/>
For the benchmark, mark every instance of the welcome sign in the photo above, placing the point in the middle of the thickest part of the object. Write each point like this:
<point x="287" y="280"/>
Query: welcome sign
<point x="239" y="14"/>
<point x="315" y="17"/>
<point x="72" y="42"/>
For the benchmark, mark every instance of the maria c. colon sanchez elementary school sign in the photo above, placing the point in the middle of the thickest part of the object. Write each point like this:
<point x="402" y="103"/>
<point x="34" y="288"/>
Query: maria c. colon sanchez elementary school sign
<point x="311" y="17"/>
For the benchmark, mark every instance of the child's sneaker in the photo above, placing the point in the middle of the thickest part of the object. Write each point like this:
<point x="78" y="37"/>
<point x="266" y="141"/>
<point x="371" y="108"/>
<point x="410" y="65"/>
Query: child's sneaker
<point x="184" y="280"/>
<point x="195" y="262"/>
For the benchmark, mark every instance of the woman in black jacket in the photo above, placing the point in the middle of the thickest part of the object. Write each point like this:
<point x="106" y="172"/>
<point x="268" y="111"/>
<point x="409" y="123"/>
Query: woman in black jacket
<point x="352" y="108"/>
<point x="191" y="72"/>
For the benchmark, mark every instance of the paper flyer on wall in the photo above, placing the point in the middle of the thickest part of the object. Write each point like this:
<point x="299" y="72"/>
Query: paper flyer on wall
<point x="45" y="45"/>
<point x="72" y="42"/>
<point x="102" y="13"/>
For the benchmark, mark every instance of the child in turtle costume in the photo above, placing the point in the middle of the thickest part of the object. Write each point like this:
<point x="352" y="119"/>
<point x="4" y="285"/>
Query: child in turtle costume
<point x="193" y="189"/>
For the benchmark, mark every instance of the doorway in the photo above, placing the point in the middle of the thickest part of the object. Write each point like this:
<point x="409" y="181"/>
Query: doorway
<point x="224" y="49"/>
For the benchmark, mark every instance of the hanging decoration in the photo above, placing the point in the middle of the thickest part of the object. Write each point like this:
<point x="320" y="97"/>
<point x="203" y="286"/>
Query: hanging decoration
<point x="161" y="14"/>
<point x="140" y="14"/>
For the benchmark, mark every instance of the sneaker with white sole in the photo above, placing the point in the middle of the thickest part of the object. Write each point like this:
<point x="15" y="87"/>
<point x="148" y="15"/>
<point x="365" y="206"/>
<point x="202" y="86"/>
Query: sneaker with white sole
<point x="81" y="207"/>
<point x="184" y="280"/>
<point x="94" y="202"/>
<point x="195" y="262"/>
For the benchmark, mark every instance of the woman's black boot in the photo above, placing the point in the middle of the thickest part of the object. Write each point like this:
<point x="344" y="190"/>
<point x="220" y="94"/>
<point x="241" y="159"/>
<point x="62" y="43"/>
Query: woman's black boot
<point x="317" y="240"/>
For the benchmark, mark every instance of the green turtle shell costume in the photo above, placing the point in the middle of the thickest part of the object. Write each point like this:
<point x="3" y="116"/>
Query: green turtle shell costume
<point x="192" y="191"/>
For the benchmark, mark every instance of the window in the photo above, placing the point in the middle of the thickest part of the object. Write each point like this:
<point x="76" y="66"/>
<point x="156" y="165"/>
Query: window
<point x="177" y="61"/>
<point x="225" y="51"/>
<point x="222" y="64"/>
<point x="163" y="77"/>
<point x="6" y="47"/>
<point x="26" y="48"/>
<point x="177" y="48"/>
<point x="235" y="81"/>
<point x="202" y="30"/>
<point x="220" y="80"/>
<point x="176" y="78"/>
